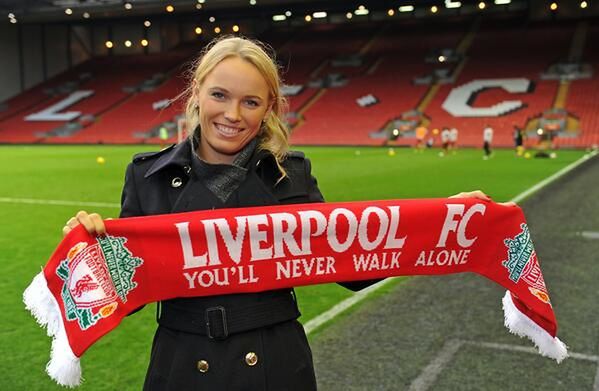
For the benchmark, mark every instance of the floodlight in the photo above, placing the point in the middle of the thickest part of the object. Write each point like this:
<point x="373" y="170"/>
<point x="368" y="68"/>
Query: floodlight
<point x="452" y="4"/>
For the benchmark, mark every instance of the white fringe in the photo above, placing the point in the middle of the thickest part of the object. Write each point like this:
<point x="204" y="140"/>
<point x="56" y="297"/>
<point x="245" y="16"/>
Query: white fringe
<point x="64" y="367"/>
<point x="523" y="326"/>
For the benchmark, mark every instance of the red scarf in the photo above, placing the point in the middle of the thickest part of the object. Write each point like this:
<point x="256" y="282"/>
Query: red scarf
<point x="91" y="283"/>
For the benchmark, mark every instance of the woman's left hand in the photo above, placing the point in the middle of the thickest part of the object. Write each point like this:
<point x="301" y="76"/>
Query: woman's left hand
<point x="480" y="196"/>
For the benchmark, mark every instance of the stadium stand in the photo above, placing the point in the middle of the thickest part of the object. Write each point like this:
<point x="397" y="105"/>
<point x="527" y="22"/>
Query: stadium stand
<point x="395" y="56"/>
<point x="582" y="98"/>
<point x="114" y="82"/>
<point x="347" y="85"/>
<point x="498" y="52"/>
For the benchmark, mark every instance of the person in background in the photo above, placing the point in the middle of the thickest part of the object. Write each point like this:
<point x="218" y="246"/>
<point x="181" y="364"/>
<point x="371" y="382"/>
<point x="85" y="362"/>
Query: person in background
<point x="421" y="132"/>
<point x="487" y="140"/>
<point x="163" y="135"/>
<point x="236" y="156"/>
<point x="445" y="137"/>
<point x="453" y="139"/>
<point x="518" y="140"/>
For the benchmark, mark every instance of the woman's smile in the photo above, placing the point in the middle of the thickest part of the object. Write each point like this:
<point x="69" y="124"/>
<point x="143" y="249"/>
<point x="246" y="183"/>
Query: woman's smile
<point x="227" y="131"/>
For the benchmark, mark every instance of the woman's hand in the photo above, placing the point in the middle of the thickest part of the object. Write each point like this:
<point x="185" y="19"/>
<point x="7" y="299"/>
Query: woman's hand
<point x="480" y="196"/>
<point x="93" y="223"/>
<point x="472" y="194"/>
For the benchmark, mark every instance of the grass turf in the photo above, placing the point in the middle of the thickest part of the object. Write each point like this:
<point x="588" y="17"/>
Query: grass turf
<point x="30" y="232"/>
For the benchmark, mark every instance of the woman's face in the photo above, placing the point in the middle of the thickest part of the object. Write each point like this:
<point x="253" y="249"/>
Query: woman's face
<point x="233" y="100"/>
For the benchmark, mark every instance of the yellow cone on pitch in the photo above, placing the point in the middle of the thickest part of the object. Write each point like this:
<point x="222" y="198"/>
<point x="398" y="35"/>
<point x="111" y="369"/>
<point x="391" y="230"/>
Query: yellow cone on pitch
<point x="100" y="160"/>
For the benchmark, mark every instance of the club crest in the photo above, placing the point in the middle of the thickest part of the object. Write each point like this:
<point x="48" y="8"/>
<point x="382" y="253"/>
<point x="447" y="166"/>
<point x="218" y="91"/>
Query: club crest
<point x="522" y="264"/>
<point x="95" y="278"/>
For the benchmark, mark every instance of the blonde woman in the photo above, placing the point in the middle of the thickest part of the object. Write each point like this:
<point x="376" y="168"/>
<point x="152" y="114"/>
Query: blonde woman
<point x="237" y="156"/>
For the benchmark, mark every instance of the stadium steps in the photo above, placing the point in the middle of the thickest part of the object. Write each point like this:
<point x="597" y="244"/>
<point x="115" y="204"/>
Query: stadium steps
<point x="491" y="56"/>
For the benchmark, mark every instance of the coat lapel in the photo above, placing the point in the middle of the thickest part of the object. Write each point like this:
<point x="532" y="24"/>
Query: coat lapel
<point x="251" y="192"/>
<point x="196" y="196"/>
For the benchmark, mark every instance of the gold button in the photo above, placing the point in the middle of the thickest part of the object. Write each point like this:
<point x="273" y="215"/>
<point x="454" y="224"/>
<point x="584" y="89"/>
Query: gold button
<point x="203" y="366"/>
<point x="251" y="359"/>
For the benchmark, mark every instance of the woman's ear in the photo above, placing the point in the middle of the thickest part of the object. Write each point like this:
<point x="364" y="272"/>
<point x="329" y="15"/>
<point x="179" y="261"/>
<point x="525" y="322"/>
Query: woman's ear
<point x="268" y="110"/>
<point x="195" y="92"/>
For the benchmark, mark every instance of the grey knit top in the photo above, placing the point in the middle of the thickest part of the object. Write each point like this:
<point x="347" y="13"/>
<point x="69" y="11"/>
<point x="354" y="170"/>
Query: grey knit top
<point x="222" y="179"/>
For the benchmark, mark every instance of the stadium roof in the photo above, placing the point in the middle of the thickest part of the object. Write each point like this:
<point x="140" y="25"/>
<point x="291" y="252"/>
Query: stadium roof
<point x="34" y="11"/>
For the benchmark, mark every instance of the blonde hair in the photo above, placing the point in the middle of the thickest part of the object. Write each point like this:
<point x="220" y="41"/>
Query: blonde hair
<point x="274" y="134"/>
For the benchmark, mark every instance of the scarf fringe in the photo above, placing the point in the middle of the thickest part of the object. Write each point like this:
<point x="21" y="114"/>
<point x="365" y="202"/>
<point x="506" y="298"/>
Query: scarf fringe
<point x="64" y="367"/>
<point x="521" y="325"/>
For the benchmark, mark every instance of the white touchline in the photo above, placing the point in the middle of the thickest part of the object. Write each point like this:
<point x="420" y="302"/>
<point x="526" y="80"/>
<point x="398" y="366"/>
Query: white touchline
<point x="553" y="177"/>
<point x="429" y="374"/>
<point x="357" y="297"/>
<point x="58" y="202"/>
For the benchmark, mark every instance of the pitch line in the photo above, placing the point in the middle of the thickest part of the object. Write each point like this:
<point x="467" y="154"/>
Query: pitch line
<point x="33" y="201"/>
<point x="429" y="374"/>
<point x="343" y="305"/>
<point x="357" y="297"/>
<point x="526" y="349"/>
<point x="554" y="177"/>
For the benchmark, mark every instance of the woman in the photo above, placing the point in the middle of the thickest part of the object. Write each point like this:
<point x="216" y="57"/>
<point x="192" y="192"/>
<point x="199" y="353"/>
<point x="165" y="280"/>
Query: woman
<point x="237" y="156"/>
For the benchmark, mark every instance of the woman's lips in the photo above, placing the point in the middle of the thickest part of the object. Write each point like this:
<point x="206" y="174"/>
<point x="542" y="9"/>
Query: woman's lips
<point x="227" y="131"/>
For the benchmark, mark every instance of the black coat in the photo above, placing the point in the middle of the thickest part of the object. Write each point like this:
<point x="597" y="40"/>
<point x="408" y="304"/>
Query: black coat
<point x="183" y="356"/>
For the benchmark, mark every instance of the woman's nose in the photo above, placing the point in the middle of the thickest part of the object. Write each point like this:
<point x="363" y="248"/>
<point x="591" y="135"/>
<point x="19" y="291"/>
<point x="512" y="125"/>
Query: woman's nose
<point x="232" y="113"/>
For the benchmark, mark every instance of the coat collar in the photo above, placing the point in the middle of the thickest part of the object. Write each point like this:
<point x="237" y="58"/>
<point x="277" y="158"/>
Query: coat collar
<point x="180" y="156"/>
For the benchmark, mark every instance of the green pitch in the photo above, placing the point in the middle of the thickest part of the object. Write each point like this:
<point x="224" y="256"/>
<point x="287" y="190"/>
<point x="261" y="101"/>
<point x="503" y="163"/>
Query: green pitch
<point x="41" y="187"/>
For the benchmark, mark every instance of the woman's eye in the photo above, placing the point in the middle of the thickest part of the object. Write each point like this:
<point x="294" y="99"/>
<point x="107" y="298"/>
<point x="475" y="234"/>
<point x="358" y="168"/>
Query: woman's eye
<point x="218" y="95"/>
<point x="252" y="103"/>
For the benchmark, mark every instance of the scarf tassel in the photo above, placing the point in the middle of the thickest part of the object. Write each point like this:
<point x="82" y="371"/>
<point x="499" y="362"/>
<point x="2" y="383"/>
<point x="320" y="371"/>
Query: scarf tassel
<point x="64" y="367"/>
<point x="521" y="325"/>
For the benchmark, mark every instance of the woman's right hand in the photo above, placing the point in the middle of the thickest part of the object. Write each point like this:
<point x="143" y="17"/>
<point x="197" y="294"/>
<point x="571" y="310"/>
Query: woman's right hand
<point x="93" y="223"/>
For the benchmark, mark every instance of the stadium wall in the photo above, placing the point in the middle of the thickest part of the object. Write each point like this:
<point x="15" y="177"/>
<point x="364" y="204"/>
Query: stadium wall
<point x="10" y="75"/>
